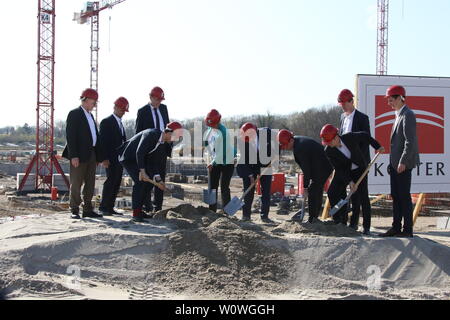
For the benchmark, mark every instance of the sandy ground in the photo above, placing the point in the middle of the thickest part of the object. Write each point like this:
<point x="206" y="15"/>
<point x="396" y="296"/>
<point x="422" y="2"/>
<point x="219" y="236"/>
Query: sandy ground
<point x="191" y="253"/>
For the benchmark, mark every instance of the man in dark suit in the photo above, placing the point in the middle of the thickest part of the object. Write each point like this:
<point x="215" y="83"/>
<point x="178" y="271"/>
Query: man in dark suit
<point x="316" y="168"/>
<point x="141" y="157"/>
<point x="403" y="158"/>
<point x="112" y="136"/>
<point x="257" y="153"/>
<point x="353" y="120"/>
<point x="84" y="151"/>
<point x="155" y="116"/>
<point x="349" y="162"/>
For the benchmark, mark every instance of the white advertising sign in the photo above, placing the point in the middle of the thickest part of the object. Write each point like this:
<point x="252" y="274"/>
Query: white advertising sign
<point x="429" y="98"/>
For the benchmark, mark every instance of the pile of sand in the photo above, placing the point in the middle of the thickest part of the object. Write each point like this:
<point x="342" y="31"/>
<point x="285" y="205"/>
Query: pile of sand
<point x="328" y="228"/>
<point x="188" y="252"/>
<point x="213" y="256"/>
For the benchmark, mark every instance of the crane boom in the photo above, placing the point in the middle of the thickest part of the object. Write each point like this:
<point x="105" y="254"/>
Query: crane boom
<point x="91" y="13"/>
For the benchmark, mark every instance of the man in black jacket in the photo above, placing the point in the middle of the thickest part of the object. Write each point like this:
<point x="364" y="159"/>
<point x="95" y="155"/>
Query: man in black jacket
<point x="141" y="157"/>
<point x="84" y="151"/>
<point x="155" y="115"/>
<point x="316" y="168"/>
<point x="112" y="136"/>
<point x="353" y="120"/>
<point x="349" y="163"/>
<point x="257" y="153"/>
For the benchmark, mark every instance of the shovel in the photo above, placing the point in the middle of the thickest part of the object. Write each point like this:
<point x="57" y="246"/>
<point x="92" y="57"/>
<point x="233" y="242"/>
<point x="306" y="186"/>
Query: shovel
<point x="165" y="188"/>
<point x="236" y="204"/>
<point x="299" y="216"/>
<point x="209" y="196"/>
<point x="345" y="201"/>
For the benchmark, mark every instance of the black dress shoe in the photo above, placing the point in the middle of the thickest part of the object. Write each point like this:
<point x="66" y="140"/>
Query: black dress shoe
<point x="390" y="233"/>
<point x="105" y="213"/>
<point x="406" y="235"/>
<point x="367" y="233"/>
<point x="138" y="219"/>
<point x="91" y="214"/>
<point x="146" y="216"/>
<point x="267" y="220"/>
<point x="115" y="213"/>
<point x="75" y="215"/>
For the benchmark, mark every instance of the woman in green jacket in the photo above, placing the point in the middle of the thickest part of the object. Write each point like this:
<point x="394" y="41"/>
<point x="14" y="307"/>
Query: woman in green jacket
<point x="222" y="156"/>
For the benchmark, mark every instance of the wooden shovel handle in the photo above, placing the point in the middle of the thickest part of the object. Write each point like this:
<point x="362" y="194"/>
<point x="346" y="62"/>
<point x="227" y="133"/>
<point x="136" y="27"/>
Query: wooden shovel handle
<point x="367" y="171"/>
<point x="160" y="186"/>
<point x="255" y="182"/>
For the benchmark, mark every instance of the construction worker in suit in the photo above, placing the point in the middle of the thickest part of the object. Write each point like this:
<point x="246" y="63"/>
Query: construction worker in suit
<point x="349" y="162"/>
<point x="403" y="158"/>
<point x="84" y="151"/>
<point x="257" y="154"/>
<point x="353" y="120"/>
<point x="155" y="115"/>
<point x="112" y="136"/>
<point x="141" y="156"/>
<point x="312" y="160"/>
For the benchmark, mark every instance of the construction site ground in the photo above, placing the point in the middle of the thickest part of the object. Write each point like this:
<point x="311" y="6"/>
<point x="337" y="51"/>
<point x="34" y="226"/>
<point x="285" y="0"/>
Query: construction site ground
<point x="189" y="252"/>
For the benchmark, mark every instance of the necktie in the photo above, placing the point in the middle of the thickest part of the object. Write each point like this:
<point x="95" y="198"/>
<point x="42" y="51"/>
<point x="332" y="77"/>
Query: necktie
<point x="157" y="124"/>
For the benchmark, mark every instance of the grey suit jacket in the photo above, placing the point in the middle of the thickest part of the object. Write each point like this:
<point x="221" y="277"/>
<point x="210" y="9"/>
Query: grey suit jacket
<point x="404" y="146"/>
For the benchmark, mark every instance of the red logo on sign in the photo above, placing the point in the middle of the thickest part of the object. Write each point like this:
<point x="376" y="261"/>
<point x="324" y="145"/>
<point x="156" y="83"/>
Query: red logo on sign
<point x="430" y="122"/>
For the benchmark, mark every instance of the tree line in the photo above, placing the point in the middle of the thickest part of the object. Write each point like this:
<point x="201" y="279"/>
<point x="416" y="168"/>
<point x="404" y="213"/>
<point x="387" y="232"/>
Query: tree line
<point x="306" y="123"/>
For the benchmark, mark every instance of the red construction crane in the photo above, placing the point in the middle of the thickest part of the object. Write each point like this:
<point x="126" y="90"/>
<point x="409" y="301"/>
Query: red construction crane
<point x="44" y="159"/>
<point x="382" y="36"/>
<point x="91" y="13"/>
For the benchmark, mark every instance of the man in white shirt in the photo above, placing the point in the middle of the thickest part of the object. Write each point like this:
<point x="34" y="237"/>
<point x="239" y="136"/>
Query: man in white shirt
<point x="349" y="163"/>
<point x="155" y="115"/>
<point x="84" y="151"/>
<point x="353" y="120"/>
<point x="112" y="136"/>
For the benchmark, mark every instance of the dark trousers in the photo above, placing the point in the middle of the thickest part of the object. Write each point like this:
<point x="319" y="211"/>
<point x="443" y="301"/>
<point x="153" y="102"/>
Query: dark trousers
<point x="361" y="199"/>
<point x="266" y="184"/>
<point x="402" y="203"/>
<point x="111" y="186"/>
<point x="315" y="197"/>
<point x="139" y="187"/>
<point x="158" y="194"/>
<point x="336" y="192"/>
<point x="83" y="174"/>
<point x="221" y="174"/>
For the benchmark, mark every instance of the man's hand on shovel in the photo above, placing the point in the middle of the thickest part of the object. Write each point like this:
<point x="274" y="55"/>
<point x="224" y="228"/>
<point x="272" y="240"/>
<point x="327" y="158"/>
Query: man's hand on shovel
<point x="143" y="176"/>
<point x="353" y="187"/>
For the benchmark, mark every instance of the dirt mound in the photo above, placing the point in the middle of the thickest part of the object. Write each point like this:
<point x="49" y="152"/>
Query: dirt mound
<point x="211" y="255"/>
<point x="328" y="229"/>
<point x="193" y="253"/>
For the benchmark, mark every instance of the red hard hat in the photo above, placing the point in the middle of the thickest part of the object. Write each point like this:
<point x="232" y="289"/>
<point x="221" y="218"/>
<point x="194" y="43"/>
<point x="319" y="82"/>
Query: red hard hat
<point x="122" y="104"/>
<point x="345" y="96"/>
<point x="246" y="127"/>
<point x="328" y="133"/>
<point x="213" y="118"/>
<point x="90" y="94"/>
<point x="396" y="91"/>
<point x="157" y="93"/>
<point x="173" y="126"/>
<point x="284" y="136"/>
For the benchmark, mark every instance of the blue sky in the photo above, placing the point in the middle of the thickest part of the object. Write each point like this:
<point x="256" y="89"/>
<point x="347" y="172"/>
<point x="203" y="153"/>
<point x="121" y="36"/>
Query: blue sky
<point x="242" y="57"/>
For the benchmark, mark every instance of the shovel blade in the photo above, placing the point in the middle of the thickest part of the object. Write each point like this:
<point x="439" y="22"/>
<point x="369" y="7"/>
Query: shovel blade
<point x="338" y="207"/>
<point x="209" y="196"/>
<point x="233" y="206"/>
